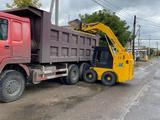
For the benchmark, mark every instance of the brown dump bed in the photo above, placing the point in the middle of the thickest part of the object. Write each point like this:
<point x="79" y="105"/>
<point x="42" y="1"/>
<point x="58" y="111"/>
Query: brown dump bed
<point x="52" y="44"/>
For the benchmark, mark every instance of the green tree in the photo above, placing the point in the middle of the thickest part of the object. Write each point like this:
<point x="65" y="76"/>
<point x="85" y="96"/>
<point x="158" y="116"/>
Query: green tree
<point x="119" y="27"/>
<point x="24" y="3"/>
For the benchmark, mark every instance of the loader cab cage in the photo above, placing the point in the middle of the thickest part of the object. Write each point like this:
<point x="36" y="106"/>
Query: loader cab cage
<point x="102" y="58"/>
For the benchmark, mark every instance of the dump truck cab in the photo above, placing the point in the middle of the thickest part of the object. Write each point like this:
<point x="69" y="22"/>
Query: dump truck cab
<point x="14" y="39"/>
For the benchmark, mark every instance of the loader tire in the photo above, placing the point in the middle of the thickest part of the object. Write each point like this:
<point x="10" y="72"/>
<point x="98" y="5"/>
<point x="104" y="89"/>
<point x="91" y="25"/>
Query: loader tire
<point x="90" y="76"/>
<point x="108" y="79"/>
<point x="83" y="68"/>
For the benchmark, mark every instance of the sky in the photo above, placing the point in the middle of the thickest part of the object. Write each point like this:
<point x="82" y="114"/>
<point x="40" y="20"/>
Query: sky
<point x="147" y="12"/>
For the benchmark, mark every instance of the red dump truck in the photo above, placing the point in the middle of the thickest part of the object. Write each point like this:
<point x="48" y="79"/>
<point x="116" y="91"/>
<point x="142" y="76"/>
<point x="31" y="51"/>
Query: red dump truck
<point x="33" y="50"/>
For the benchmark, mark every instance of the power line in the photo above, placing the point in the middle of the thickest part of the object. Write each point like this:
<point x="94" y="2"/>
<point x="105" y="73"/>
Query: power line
<point x="143" y="39"/>
<point x="109" y="6"/>
<point x="104" y="4"/>
<point x="147" y="20"/>
<point x="113" y="4"/>
<point x="116" y="8"/>
<point x="148" y="33"/>
<point x="113" y="8"/>
<point x="151" y="23"/>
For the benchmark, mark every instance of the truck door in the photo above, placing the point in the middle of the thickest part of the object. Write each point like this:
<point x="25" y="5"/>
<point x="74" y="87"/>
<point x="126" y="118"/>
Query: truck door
<point x="17" y="39"/>
<point x="5" y="50"/>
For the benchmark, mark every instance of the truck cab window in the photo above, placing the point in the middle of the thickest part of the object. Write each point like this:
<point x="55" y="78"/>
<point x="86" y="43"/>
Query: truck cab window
<point x="3" y="29"/>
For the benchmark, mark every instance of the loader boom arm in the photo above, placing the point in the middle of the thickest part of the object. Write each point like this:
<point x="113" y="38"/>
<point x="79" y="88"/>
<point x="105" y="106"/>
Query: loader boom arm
<point x="94" y="27"/>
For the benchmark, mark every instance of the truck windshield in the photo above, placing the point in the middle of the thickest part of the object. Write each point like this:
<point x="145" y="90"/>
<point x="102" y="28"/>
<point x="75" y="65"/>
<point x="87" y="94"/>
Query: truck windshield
<point x="3" y="29"/>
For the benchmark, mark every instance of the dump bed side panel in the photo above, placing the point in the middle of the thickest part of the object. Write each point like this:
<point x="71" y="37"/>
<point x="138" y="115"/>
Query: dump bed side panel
<point x="59" y="44"/>
<point x="68" y="46"/>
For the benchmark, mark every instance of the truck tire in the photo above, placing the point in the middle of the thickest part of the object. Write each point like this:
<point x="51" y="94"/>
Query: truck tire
<point x="108" y="79"/>
<point x="90" y="76"/>
<point x="83" y="68"/>
<point x="63" y="81"/>
<point x="12" y="84"/>
<point x="73" y="75"/>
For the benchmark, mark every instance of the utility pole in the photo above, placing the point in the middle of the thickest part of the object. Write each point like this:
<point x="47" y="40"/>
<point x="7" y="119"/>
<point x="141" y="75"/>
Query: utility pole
<point x="134" y="36"/>
<point x="55" y="3"/>
<point x="139" y="36"/>
<point x="157" y="48"/>
<point x="149" y="45"/>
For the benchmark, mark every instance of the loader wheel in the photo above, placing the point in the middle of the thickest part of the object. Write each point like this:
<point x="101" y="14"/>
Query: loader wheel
<point x="83" y="68"/>
<point x="12" y="85"/>
<point x="90" y="76"/>
<point x="73" y="75"/>
<point x="109" y="78"/>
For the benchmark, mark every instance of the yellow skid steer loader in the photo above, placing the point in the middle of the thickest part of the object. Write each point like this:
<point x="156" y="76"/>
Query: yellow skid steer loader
<point x="110" y="64"/>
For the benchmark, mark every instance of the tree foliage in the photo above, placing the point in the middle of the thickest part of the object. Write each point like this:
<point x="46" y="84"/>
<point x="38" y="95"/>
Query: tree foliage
<point x="119" y="27"/>
<point x="24" y="3"/>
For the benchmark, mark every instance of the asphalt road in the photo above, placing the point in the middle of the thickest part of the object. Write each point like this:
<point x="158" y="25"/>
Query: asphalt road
<point x="134" y="100"/>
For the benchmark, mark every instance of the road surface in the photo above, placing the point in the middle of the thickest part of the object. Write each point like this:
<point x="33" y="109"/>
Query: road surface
<point x="134" y="100"/>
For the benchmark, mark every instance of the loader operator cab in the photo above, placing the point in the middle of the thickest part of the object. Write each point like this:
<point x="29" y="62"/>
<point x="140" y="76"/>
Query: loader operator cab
<point x="102" y="58"/>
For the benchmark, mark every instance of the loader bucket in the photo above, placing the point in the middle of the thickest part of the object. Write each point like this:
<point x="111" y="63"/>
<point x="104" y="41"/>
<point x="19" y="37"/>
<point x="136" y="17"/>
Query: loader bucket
<point x="76" y="24"/>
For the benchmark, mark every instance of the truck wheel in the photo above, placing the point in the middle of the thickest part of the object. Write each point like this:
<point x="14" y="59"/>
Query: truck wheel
<point x="12" y="84"/>
<point x="109" y="78"/>
<point x="83" y="68"/>
<point x="90" y="76"/>
<point x="73" y="75"/>
<point x="63" y="81"/>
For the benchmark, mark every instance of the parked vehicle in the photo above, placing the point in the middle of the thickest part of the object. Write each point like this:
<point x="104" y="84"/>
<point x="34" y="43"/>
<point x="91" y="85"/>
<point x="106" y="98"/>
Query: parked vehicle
<point x="34" y="50"/>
